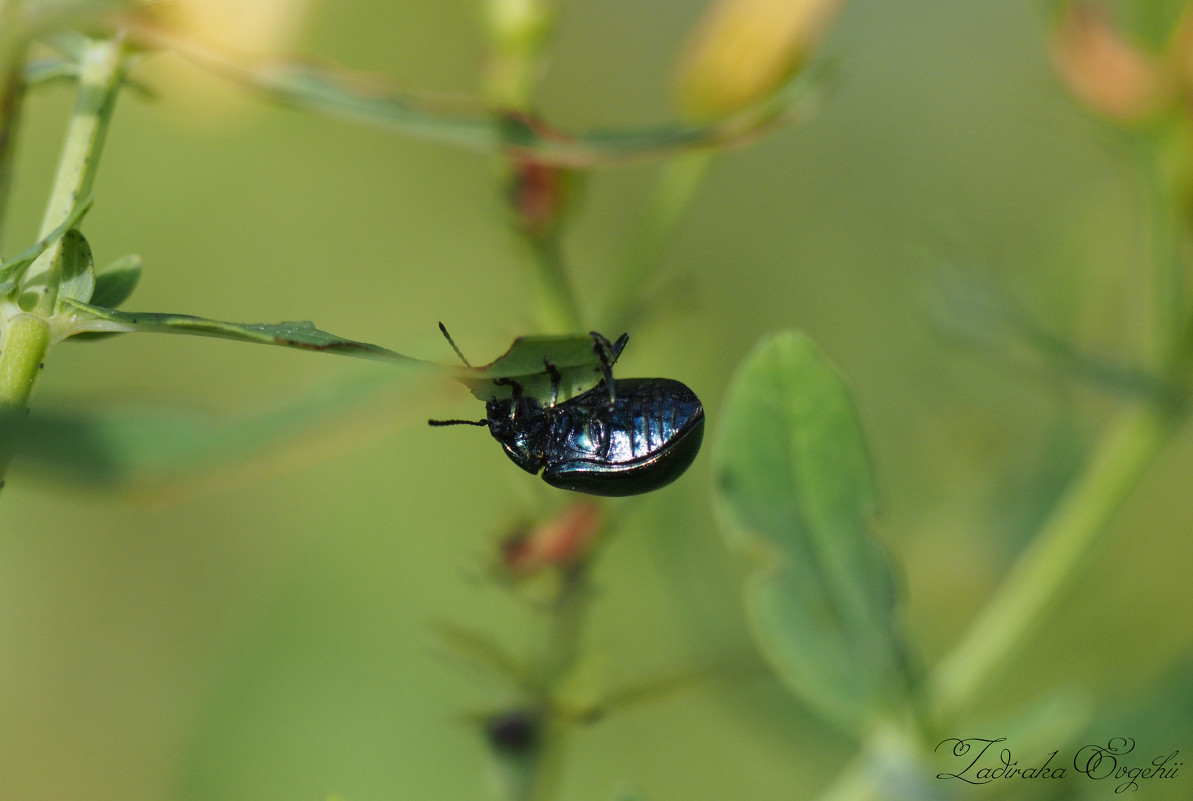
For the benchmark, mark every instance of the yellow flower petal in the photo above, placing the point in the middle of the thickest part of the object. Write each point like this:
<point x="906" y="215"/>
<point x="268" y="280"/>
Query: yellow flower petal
<point x="743" y="50"/>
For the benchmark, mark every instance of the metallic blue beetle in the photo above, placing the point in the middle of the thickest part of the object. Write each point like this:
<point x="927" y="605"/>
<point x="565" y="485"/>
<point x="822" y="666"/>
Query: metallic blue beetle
<point x="622" y="437"/>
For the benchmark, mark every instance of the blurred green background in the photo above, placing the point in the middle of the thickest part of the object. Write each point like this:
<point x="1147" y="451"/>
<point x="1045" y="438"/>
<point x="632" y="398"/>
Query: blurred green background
<point x="272" y="636"/>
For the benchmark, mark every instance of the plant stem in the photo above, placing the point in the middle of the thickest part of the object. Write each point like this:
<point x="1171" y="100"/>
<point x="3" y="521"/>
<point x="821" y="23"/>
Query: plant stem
<point x="1165" y="165"/>
<point x="12" y="92"/>
<point x="24" y="339"/>
<point x="25" y="332"/>
<point x="101" y="73"/>
<point x="13" y="51"/>
<point x="565" y="627"/>
<point x="1070" y="537"/>
<point x="559" y="309"/>
<point x="1073" y="532"/>
<point x="672" y="196"/>
<point x="1081" y="519"/>
<point x="567" y="623"/>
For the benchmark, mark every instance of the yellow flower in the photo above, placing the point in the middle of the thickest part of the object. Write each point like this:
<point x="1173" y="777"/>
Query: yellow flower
<point x="1104" y="70"/>
<point x="238" y="28"/>
<point x="243" y="26"/>
<point x="743" y="50"/>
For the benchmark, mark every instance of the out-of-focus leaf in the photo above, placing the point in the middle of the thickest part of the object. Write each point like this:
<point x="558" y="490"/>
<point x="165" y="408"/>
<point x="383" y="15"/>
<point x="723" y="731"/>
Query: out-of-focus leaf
<point x="78" y="268"/>
<point x="990" y="320"/>
<point x="162" y="451"/>
<point x="479" y="651"/>
<point x="116" y="283"/>
<point x="365" y="99"/>
<point x="794" y="491"/>
<point x="14" y="268"/>
<point x="1052" y="721"/>
<point x="1153" y="23"/>
<point x="47" y="70"/>
<point x="50" y="70"/>
<point x="627" y="794"/>
<point x="655" y="688"/>
<point x="290" y="334"/>
<point x="1159" y="716"/>
<point x="67" y="41"/>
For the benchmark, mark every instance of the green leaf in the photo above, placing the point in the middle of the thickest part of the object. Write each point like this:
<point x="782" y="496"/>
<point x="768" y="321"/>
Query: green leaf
<point x="67" y="41"/>
<point x="479" y="651"/>
<point x="78" y="268"/>
<point x="14" y="268"/>
<point x="366" y="99"/>
<point x="627" y="793"/>
<point x="1153" y="22"/>
<point x="47" y="70"/>
<point x="116" y="283"/>
<point x="51" y="70"/>
<point x="291" y="334"/>
<point x="525" y="362"/>
<point x="985" y="318"/>
<point x="162" y="450"/>
<point x="794" y="491"/>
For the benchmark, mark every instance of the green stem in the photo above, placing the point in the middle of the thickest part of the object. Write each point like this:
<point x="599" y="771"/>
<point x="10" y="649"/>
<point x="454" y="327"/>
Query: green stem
<point x="544" y="784"/>
<point x="12" y="91"/>
<point x="1075" y="529"/>
<point x="567" y="624"/>
<point x="565" y="628"/>
<point x="1065" y="544"/>
<point x="24" y="339"/>
<point x="673" y="195"/>
<point x="559" y="309"/>
<point x="1082" y="518"/>
<point x="101" y="73"/>
<point x="25" y="333"/>
<point x="13" y="53"/>
<point x="1165" y="165"/>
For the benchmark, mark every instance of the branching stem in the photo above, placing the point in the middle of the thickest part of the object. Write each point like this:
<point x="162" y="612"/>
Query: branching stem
<point x="25" y="332"/>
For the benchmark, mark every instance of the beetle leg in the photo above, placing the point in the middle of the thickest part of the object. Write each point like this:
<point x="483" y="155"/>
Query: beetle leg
<point x="516" y="388"/>
<point x="612" y="350"/>
<point x="607" y="353"/>
<point x="556" y="379"/>
<point x="619" y="346"/>
<point x="515" y="394"/>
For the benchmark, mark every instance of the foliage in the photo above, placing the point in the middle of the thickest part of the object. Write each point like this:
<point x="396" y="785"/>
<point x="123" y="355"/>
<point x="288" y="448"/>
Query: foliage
<point x="796" y="492"/>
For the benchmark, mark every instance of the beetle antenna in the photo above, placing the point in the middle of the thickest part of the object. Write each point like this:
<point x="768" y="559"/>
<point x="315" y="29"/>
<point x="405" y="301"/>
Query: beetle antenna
<point x="452" y="342"/>
<point x="457" y="422"/>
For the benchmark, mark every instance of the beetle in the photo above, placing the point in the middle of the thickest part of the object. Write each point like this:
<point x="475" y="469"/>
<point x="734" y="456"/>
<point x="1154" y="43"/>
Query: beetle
<point x="622" y="437"/>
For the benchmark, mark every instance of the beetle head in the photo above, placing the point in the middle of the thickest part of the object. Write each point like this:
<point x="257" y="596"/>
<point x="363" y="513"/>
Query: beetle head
<point x="519" y="424"/>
